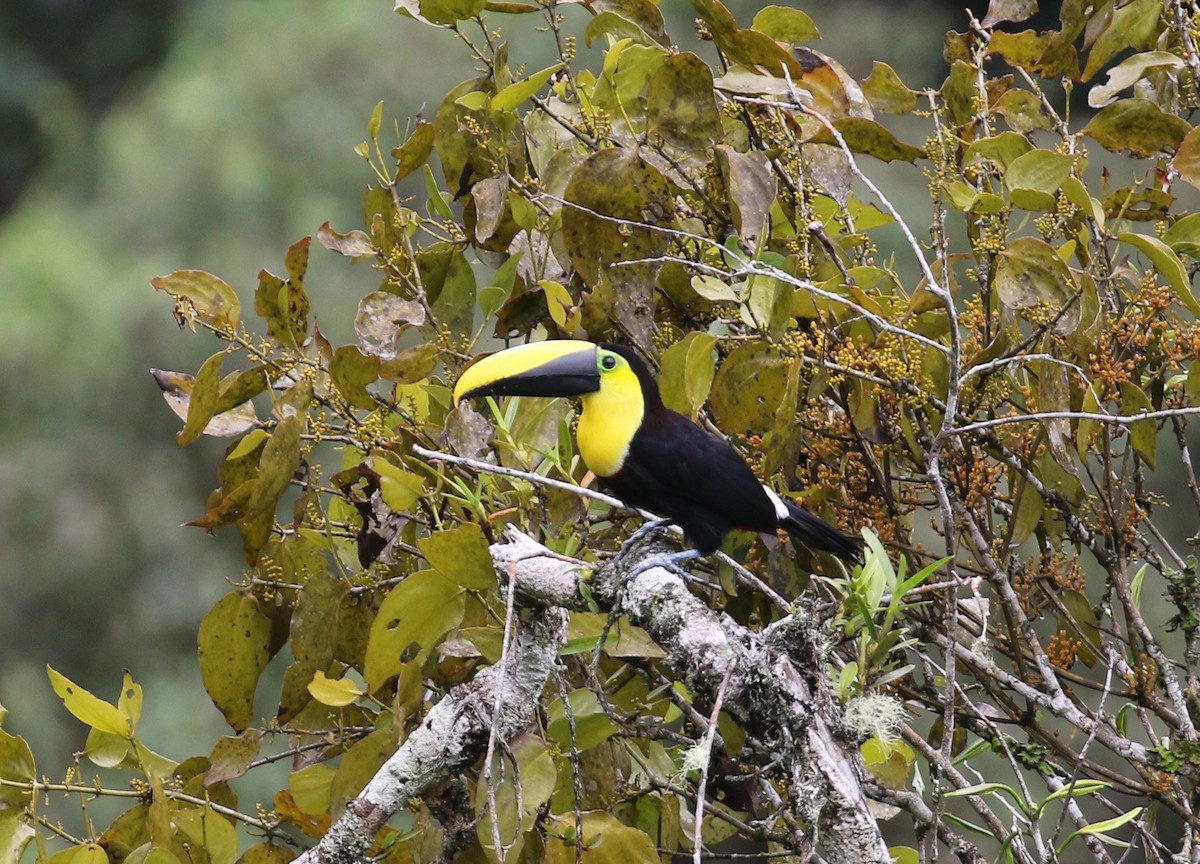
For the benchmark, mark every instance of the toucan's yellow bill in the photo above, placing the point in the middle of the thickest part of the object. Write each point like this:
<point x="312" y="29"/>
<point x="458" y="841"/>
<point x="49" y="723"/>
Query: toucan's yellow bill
<point x="558" y="367"/>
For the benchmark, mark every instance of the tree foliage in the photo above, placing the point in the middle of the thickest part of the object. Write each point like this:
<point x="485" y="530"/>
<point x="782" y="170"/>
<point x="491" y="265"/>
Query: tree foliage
<point x="1002" y="398"/>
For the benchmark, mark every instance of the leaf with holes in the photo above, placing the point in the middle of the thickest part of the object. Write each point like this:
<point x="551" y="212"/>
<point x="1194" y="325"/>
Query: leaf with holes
<point x="412" y="619"/>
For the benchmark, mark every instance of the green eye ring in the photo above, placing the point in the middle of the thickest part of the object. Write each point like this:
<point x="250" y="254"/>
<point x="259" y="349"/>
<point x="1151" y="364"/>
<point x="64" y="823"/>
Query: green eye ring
<point x="608" y="362"/>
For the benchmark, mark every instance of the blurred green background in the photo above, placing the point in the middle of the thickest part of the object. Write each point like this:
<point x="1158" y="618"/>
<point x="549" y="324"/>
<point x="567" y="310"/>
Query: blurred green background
<point x="142" y="136"/>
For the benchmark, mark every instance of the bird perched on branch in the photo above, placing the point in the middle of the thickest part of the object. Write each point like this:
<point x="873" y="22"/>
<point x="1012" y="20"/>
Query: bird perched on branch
<point x="650" y="456"/>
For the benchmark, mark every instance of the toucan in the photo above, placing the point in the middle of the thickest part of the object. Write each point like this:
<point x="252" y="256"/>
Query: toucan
<point x="650" y="456"/>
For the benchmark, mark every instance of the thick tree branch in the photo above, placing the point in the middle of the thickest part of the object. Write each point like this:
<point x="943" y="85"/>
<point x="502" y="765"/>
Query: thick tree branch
<point x="454" y="735"/>
<point x="766" y="691"/>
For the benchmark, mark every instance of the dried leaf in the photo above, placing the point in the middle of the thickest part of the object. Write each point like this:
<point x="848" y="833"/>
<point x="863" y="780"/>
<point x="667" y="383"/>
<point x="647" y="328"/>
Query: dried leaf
<point x="353" y="244"/>
<point x="201" y="296"/>
<point x="381" y="318"/>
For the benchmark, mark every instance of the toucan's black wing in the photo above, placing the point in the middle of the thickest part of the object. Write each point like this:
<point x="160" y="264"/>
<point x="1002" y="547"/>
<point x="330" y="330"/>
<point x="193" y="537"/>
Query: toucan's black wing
<point x="693" y="478"/>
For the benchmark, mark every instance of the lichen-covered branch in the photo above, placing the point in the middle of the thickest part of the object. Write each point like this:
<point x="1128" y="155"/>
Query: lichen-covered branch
<point x="453" y="736"/>
<point x="767" y="689"/>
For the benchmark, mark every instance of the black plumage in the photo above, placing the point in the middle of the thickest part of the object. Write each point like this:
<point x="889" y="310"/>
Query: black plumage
<point x="697" y="480"/>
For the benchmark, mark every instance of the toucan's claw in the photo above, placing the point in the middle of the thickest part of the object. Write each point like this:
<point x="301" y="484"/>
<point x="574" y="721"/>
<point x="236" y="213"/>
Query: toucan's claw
<point x="647" y="529"/>
<point x="670" y="561"/>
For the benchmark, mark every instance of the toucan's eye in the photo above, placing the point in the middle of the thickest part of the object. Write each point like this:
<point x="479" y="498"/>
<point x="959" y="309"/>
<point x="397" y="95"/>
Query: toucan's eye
<point x="608" y="361"/>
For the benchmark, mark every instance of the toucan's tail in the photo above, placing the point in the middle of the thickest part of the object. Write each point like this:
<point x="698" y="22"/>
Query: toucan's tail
<point x="819" y="534"/>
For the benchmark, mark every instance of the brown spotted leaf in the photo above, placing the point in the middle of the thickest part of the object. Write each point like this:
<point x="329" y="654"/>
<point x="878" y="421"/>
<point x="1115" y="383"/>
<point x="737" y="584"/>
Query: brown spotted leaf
<point x="747" y="388"/>
<point x="232" y="755"/>
<point x="1137" y="126"/>
<point x="283" y="303"/>
<point x="233" y="642"/>
<point x="614" y="203"/>
<point x="680" y="103"/>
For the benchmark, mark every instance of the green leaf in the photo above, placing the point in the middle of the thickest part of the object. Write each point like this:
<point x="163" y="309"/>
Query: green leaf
<point x="310" y="788"/>
<point x="514" y="94"/>
<point x="17" y="766"/>
<point x="376" y="121"/>
<point x="15" y="834"/>
<point x="620" y="26"/>
<point x="592" y="726"/>
<point x="496" y="293"/>
<point x="209" y="831"/>
<point x="461" y="555"/>
<point x="688" y="369"/>
<point x="606" y="840"/>
<point x="1128" y="72"/>
<point x="867" y="136"/>
<point x="785" y="24"/>
<point x="538" y="776"/>
<point x="1002" y="149"/>
<point x="1187" y="160"/>
<point x="412" y="619"/>
<point x="613" y="201"/>
<point x="203" y="401"/>
<point x="986" y="789"/>
<point x="1030" y="272"/>
<point x="889" y="763"/>
<point x="411" y="155"/>
<point x="201" y="296"/>
<point x="88" y="853"/>
<point x="752" y="188"/>
<point x="1076" y="789"/>
<point x="886" y="92"/>
<point x="278" y="463"/>
<point x="714" y="289"/>
<point x="177" y="390"/>
<point x="267" y="853"/>
<point x="440" y="11"/>
<point x="1166" y="264"/>
<point x="1100" y="830"/>
<point x="1184" y="236"/>
<point x="1023" y="111"/>
<point x="1137" y="126"/>
<point x="352" y="371"/>
<point x="89" y="709"/>
<point x="283" y="303"/>
<point x="1034" y="178"/>
<point x="400" y="489"/>
<point x="1143" y="434"/>
<point x="1131" y="25"/>
<point x="233" y="642"/>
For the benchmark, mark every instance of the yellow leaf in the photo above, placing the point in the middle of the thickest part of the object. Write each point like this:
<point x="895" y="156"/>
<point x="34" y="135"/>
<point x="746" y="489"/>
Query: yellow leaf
<point x="89" y="709"/>
<point x="334" y="692"/>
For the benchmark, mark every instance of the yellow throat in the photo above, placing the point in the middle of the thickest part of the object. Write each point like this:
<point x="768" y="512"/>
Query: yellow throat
<point x="611" y="417"/>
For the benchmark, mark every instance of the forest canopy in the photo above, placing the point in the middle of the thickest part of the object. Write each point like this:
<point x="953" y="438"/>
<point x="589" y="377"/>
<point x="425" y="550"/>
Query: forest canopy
<point x="476" y="669"/>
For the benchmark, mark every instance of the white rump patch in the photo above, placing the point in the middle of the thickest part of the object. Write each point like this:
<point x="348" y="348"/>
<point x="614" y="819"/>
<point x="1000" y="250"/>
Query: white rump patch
<point x="781" y="510"/>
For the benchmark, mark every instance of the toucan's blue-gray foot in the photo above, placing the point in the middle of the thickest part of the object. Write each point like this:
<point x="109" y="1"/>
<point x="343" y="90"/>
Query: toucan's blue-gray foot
<point x="647" y="529"/>
<point x="670" y="561"/>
